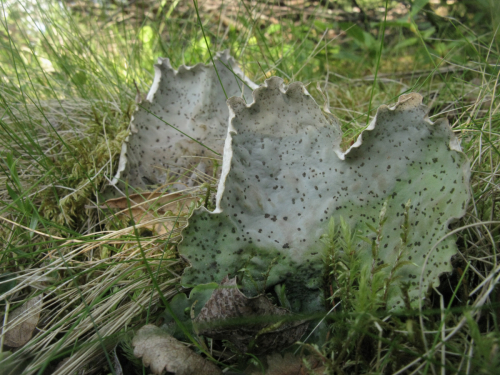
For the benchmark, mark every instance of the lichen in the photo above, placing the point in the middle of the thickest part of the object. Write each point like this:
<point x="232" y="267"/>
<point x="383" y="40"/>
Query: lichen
<point x="284" y="176"/>
<point x="181" y="124"/>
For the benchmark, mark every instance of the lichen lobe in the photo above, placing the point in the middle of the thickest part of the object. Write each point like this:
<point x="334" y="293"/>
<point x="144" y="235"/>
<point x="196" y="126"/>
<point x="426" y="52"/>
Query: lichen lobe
<point x="285" y="178"/>
<point x="181" y="124"/>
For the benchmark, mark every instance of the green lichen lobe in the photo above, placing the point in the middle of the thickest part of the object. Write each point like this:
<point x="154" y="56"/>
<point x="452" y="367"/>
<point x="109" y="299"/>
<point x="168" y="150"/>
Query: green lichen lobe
<point x="284" y="177"/>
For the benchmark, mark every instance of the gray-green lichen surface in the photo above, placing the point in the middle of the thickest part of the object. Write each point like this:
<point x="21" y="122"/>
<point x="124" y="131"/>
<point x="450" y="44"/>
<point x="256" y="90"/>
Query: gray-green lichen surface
<point x="190" y="101"/>
<point x="284" y="176"/>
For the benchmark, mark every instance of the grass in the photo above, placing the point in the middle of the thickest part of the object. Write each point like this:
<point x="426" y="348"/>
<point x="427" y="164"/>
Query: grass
<point x="69" y="80"/>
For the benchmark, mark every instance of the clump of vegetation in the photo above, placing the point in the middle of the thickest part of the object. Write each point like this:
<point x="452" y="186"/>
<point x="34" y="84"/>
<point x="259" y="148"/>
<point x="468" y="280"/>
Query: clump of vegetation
<point x="71" y="76"/>
<point x="364" y="337"/>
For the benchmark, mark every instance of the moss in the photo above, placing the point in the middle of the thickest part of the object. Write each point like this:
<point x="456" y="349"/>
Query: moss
<point x="85" y="177"/>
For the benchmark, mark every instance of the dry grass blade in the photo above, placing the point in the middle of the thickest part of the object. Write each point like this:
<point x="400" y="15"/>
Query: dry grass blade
<point x="95" y="313"/>
<point x="146" y="209"/>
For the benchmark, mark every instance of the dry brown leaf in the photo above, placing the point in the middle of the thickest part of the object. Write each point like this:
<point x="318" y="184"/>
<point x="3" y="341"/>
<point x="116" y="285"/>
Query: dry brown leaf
<point x="162" y="352"/>
<point x="223" y="317"/>
<point x="146" y="207"/>
<point x="22" y="321"/>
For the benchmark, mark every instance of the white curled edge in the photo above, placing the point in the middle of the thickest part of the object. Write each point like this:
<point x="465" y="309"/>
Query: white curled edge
<point x="132" y="129"/>
<point x="122" y="163"/>
<point x="227" y="156"/>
